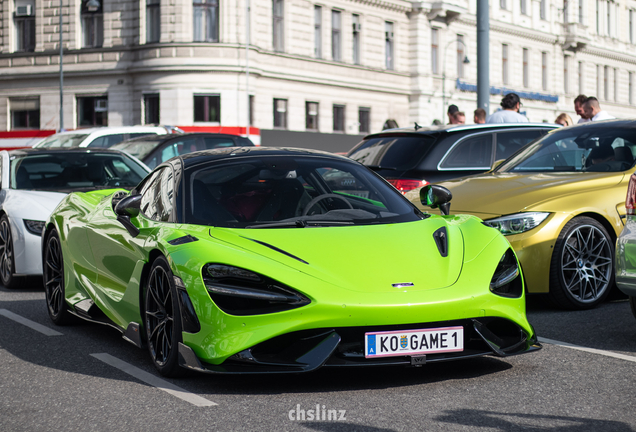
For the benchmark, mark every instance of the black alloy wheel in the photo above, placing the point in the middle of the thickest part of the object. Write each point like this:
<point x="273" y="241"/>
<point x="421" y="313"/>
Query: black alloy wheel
<point x="582" y="266"/>
<point x="7" y="262"/>
<point x="162" y="319"/>
<point x="53" y="278"/>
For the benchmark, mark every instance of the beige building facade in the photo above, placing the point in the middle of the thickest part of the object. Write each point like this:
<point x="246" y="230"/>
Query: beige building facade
<point x="338" y="67"/>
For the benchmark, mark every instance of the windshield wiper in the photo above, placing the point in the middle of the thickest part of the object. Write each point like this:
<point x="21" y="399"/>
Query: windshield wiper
<point x="299" y="223"/>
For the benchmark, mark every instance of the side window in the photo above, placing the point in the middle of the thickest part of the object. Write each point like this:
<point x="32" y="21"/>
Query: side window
<point x="509" y="142"/>
<point x="211" y="143"/>
<point x="472" y="153"/>
<point x="156" y="196"/>
<point x="107" y="140"/>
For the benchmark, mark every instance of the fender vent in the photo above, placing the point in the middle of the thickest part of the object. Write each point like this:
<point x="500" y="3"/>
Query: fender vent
<point x="441" y="240"/>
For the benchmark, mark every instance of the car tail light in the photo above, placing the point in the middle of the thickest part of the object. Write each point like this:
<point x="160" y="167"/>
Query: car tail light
<point x="630" y="200"/>
<point x="406" y="185"/>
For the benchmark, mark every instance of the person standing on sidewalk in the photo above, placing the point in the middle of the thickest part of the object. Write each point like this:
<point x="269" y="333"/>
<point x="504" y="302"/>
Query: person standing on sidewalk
<point x="578" y="107"/>
<point x="510" y="112"/>
<point x="594" y="112"/>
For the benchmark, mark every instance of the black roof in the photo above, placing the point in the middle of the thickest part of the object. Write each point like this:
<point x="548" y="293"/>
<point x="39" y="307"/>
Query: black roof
<point x="165" y="137"/>
<point x="199" y="157"/>
<point x="429" y="130"/>
<point x="62" y="150"/>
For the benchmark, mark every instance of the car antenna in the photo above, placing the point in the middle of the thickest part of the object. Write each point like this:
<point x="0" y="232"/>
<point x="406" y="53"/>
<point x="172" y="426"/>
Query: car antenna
<point x="417" y="126"/>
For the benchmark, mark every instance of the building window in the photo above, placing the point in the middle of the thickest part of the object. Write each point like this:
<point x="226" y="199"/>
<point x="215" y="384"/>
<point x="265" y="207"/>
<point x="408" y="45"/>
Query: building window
<point x="311" y="116"/>
<point x="435" y="51"/>
<point x="524" y="7"/>
<point x="581" y="10"/>
<point x="24" y="21"/>
<point x="615" y="84"/>
<point x="608" y="8"/>
<point x="151" y="109"/>
<point x="92" y="24"/>
<point x="153" y="21"/>
<point x="207" y="108"/>
<point x="544" y="70"/>
<point x="599" y="80"/>
<point x="606" y="83"/>
<point x="278" y="25"/>
<point x="388" y="51"/>
<point x="280" y="113"/>
<point x="460" y="56"/>
<point x="526" y="77"/>
<point x="205" y="20"/>
<point x="631" y="88"/>
<point x="25" y="113"/>
<point x="357" y="28"/>
<point x="338" y="118"/>
<point x="542" y="9"/>
<point x="566" y="83"/>
<point x="92" y="111"/>
<point x="598" y="17"/>
<point x="631" y="26"/>
<point x="504" y="63"/>
<point x="502" y="4"/>
<point x="364" y="120"/>
<point x="318" y="31"/>
<point x="565" y="11"/>
<point x="581" y="86"/>
<point x="336" y="33"/>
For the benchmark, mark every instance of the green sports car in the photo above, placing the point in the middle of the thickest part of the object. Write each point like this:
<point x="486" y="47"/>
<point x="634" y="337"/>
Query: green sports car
<point x="260" y="260"/>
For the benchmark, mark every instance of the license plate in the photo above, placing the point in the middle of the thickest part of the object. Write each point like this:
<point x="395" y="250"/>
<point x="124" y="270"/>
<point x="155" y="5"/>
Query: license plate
<point x="413" y="342"/>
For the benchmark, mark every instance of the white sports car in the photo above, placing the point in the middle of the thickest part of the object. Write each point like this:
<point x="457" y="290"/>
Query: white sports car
<point x="34" y="181"/>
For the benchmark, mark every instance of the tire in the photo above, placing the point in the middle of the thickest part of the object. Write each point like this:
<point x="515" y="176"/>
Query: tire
<point x="632" y="305"/>
<point x="7" y="259"/>
<point x="162" y="319"/>
<point x="53" y="278"/>
<point x="582" y="266"/>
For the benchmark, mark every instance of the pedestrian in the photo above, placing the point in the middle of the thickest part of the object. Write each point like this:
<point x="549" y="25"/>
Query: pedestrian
<point x="564" y="120"/>
<point x="594" y="112"/>
<point x="479" y="116"/>
<point x="510" y="112"/>
<point x="459" y="118"/>
<point x="578" y="107"/>
<point x="452" y="109"/>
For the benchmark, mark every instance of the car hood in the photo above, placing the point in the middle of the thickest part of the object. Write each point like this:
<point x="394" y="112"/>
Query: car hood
<point x="34" y="205"/>
<point x="370" y="258"/>
<point x="495" y="194"/>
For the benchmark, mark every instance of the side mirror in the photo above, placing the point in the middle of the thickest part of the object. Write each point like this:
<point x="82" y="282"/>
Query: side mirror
<point x="126" y="209"/>
<point x="129" y="206"/>
<point x="436" y="196"/>
<point x="496" y="164"/>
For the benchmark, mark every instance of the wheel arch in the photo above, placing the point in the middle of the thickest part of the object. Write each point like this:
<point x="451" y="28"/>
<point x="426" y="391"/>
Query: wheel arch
<point x="145" y="273"/>
<point x="600" y="219"/>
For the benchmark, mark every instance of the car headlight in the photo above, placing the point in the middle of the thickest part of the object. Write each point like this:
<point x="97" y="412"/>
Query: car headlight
<point x="517" y="223"/>
<point x="237" y="291"/>
<point x="506" y="281"/>
<point x="34" y="226"/>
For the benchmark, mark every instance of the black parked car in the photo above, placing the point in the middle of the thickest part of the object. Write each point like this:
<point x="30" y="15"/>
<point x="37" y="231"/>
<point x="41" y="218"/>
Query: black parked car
<point x="410" y="158"/>
<point x="155" y="149"/>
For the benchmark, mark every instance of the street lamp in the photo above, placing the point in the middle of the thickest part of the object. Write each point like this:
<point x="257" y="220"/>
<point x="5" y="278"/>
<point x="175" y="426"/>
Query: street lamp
<point x="61" y="74"/>
<point x="465" y="61"/>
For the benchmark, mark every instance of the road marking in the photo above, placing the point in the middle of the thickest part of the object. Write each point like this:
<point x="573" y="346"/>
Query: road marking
<point x="590" y="350"/>
<point x="153" y="380"/>
<point x="31" y="324"/>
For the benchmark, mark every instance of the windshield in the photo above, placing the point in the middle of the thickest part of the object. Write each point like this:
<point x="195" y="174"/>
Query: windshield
<point x="292" y="192"/>
<point x="137" y="148"/>
<point x="395" y="152"/>
<point x="67" y="172"/>
<point x="63" y="140"/>
<point x="583" y="148"/>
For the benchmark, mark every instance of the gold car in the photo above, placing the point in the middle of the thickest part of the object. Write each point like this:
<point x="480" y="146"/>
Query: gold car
<point x="560" y="201"/>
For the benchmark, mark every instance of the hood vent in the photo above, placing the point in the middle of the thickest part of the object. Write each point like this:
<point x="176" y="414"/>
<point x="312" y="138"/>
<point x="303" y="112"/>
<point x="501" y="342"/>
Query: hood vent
<point x="276" y="249"/>
<point x="441" y="240"/>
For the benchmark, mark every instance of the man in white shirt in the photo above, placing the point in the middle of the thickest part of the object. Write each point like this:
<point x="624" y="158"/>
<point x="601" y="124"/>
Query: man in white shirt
<point x="593" y="110"/>
<point x="578" y="107"/>
<point x="510" y="112"/>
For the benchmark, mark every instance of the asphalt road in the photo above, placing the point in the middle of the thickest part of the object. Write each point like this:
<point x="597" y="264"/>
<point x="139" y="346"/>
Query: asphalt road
<point x="86" y="378"/>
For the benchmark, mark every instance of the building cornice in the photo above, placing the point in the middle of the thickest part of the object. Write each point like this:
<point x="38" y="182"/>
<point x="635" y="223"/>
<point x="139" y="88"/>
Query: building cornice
<point x="607" y="54"/>
<point x="402" y="6"/>
<point x="510" y="29"/>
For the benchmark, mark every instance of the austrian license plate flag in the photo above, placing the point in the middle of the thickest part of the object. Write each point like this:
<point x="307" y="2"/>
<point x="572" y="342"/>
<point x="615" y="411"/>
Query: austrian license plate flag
<point x="414" y="342"/>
